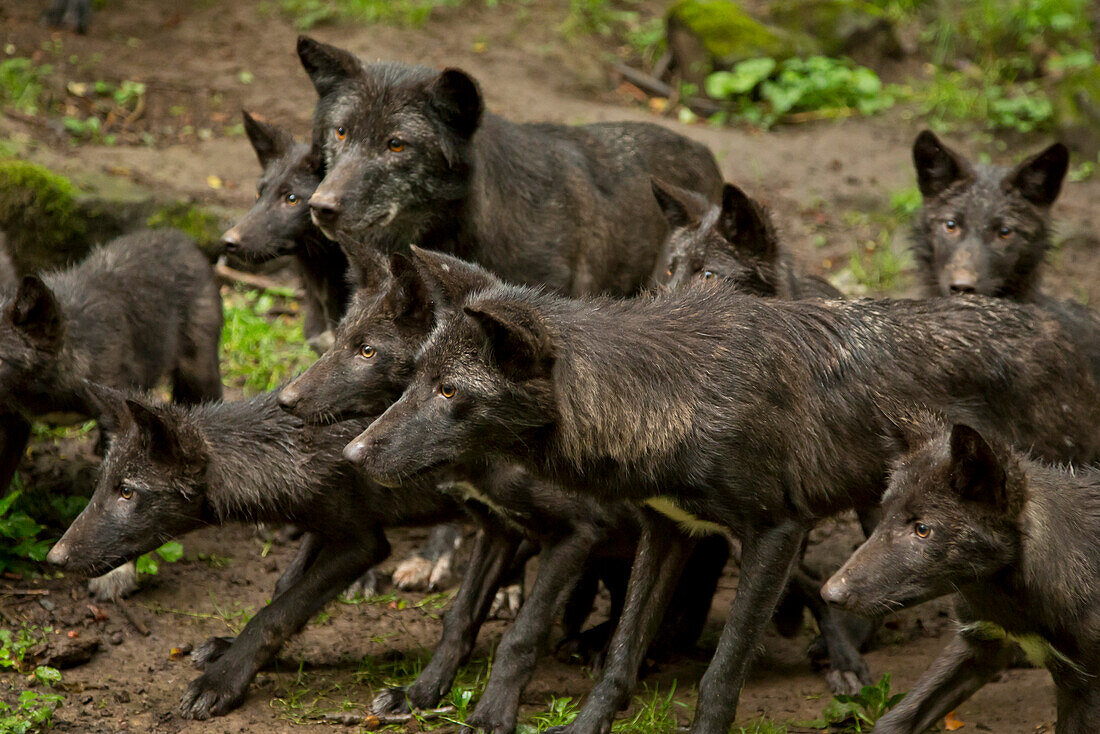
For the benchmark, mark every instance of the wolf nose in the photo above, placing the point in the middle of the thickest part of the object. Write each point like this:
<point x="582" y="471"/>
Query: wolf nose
<point x="963" y="288"/>
<point x="58" y="555"/>
<point x="288" y="398"/>
<point x="836" y="591"/>
<point x="963" y="281"/>
<point x="232" y="239"/>
<point x="356" y="452"/>
<point x="324" y="208"/>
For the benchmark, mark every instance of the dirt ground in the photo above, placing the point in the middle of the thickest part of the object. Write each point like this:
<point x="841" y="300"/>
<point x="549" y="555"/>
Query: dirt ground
<point x="202" y="61"/>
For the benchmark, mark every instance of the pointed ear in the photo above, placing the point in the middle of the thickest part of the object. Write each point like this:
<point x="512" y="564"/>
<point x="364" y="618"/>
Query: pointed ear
<point x="112" y="413"/>
<point x="976" y="472"/>
<point x="166" y="442"/>
<point x="35" y="312"/>
<point x="455" y="97"/>
<point x="269" y="141"/>
<point x="520" y="342"/>
<point x="408" y="297"/>
<point x="326" y="65"/>
<point x="937" y="165"/>
<point x="1039" y="178"/>
<point x="449" y="278"/>
<point x="680" y="206"/>
<point x="370" y="271"/>
<point x="745" y="224"/>
<point x="910" y="428"/>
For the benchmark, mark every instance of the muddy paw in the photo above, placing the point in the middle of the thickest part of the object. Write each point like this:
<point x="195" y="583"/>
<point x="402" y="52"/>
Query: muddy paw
<point x="413" y="574"/>
<point x="495" y="719"/>
<point x="507" y="602"/>
<point x="210" y="651"/>
<point x="390" y="701"/>
<point x="211" y="695"/>
<point x="365" y="586"/>
<point x="843" y="682"/>
<point x="115" y="584"/>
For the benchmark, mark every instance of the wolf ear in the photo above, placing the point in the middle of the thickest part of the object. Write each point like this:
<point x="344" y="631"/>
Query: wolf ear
<point x="456" y="98"/>
<point x="744" y="224"/>
<point x="109" y="404"/>
<point x="520" y="343"/>
<point x="680" y="206"/>
<point x="35" y="312"/>
<point x="450" y="279"/>
<point x="976" y="472"/>
<point x="937" y="165"/>
<point x="408" y="297"/>
<point x="269" y="141"/>
<point x="326" y="65"/>
<point x="165" y="442"/>
<point x="1039" y="178"/>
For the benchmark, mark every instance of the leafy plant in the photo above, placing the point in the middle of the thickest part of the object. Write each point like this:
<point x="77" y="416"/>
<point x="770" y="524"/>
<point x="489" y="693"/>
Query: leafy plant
<point x="559" y="712"/>
<point x="20" y="536"/>
<point x="655" y="714"/>
<point x="33" y="710"/>
<point x="149" y="564"/>
<point x="262" y="346"/>
<point x="21" y="85"/>
<point x="858" y="713"/>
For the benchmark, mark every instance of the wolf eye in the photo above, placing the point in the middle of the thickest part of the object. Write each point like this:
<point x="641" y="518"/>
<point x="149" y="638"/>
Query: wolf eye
<point x="396" y="144"/>
<point x="951" y="226"/>
<point x="669" y="271"/>
<point x="921" y="530"/>
<point x="292" y="199"/>
<point x="126" y="492"/>
<point x="366" y="351"/>
<point x="1004" y="232"/>
<point x="708" y="275"/>
<point x="341" y="132"/>
<point x="447" y="390"/>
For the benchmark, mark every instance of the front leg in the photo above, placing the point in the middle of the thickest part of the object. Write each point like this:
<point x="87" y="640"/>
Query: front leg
<point x="767" y="556"/>
<point x="662" y="552"/>
<point x="1078" y="708"/>
<point x="560" y="567"/>
<point x="964" y="666"/>
<point x="490" y="562"/>
<point x="15" y="431"/>
<point x="224" y="684"/>
<point x="848" y="672"/>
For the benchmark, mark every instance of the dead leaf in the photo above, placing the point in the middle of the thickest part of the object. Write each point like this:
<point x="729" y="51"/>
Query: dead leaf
<point x="214" y="182"/>
<point x="952" y="723"/>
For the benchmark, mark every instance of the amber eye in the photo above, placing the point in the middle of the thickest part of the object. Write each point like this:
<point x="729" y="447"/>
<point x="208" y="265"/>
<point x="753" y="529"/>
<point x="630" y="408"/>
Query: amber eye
<point x="921" y="530"/>
<point x="951" y="226"/>
<point x="669" y="272"/>
<point x="292" y="199"/>
<point x="367" y="351"/>
<point x="341" y="132"/>
<point x="447" y="390"/>
<point x="708" y="275"/>
<point x="1004" y="233"/>
<point x="396" y="144"/>
<point x="126" y="492"/>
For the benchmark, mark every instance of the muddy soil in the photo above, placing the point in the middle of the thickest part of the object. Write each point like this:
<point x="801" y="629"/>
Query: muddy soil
<point x="202" y="61"/>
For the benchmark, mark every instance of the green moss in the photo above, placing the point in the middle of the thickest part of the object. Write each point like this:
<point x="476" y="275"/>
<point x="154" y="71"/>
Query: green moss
<point x="39" y="214"/>
<point x="729" y="34"/>
<point x="835" y="24"/>
<point x="203" y="226"/>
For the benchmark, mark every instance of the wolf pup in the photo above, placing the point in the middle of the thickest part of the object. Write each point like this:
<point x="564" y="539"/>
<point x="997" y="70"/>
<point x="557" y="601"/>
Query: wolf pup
<point x="412" y="156"/>
<point x="170" y="470"/>
<point x="143" y="307"/>
<point x="735" y="242"/>
<point x="1016" y="538"/>
<point x="722" y="409"/>
<point x="278" y="224"/>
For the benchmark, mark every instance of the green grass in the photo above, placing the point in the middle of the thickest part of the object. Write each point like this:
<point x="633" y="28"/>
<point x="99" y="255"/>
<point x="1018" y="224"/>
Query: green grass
<point x="408" y="13"/>
<point x="262" y="344"/>
<point x="32" y="710"/>
<point x="21" y="84"/>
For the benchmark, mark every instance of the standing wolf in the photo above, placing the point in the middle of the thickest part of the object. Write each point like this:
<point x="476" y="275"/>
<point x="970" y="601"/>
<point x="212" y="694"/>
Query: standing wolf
<point x="1016" y="538"/>
<point x="412" y="156"/>
<point x="143" y="307"/>
<point x="758" y="415"/>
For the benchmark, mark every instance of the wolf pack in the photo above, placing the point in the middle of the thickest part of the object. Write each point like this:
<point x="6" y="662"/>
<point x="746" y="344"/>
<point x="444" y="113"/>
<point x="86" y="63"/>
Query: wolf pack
<point x="580" y="342"/>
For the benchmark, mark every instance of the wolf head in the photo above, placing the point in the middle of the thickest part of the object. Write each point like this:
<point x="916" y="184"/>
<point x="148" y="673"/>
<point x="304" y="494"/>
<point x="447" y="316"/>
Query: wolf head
<point x="32" y="330"/>
<point x="151" y="486"/>
<point x="395" y="140"/>
<point x="481" y="381"/>
<point x="735" y="242"/>
<point x="375" y="347"/>
<point x="278" y="223"/>
<point x="984" y="229"/>
<point x="950" y="518"/>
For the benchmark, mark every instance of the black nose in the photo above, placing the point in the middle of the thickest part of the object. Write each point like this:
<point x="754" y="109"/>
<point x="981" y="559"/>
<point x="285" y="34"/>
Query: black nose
<point x="835" y="591"/>
<point x="232" y="239"/>
<point x="59" y="554"/>
<point x="961" y="288"/>
<point x="324" y="208"/>
<point x="357" y="451"/>
<point x="288" y="398"/>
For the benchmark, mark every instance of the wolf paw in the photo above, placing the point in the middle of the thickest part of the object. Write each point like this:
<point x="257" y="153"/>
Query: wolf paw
<point x="115" y="584"/>
<point x="495" y="717"/>
<point x="507" y="602"/>
<point x="844" y="682"/>
<point x="365" y="586"/>
<point x="390" y="701"/>
<point x="413" y="574"/>
<point x="211" y="694"/>
<point x="211" y="650"/>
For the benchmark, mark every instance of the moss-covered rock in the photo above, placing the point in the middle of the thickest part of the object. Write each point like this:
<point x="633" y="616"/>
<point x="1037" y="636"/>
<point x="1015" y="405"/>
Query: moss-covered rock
<point x="704" y="35"/>
<point x="841" y="27"/>
<point x="40" y="217"/>
<point x="203" y="226"/>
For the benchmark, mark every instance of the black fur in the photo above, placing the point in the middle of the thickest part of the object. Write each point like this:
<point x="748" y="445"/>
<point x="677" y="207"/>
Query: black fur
<point x="73" y="14"/>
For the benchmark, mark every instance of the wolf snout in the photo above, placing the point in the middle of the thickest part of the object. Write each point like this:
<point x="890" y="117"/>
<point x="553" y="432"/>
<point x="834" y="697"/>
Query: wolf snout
<point x="289" y="397"/>
<point x="231" y="240"/>
<point x="836" y="591"/>
<point x="963" y="283"/>
<point x="59" y="554"/>
<point x="324" y="208"/>
<point x="360" y="449"/>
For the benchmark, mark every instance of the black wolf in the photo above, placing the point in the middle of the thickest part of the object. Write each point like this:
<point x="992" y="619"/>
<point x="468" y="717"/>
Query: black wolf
<point x="760" y="415"/>
<point x="411" y="156"/>
<point x="170" y="470"/>
<point x="74" y="14"/>
<point x="734" y="241"/>
<point x="143" y="307"/>
<point x="1016" y="538"/>
<point x="365" y="371"/>
<point x="279" y="224"/>
<point x="984" y="229"/>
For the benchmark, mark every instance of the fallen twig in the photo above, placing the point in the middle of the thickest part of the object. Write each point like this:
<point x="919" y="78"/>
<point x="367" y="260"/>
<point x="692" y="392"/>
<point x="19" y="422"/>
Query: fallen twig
<point x="27" y="592"/>
<point x="373" y="721"/>
<point x="232" y="275"/>
<point x="136" y="623"/>
<point x="656" y="87"/>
